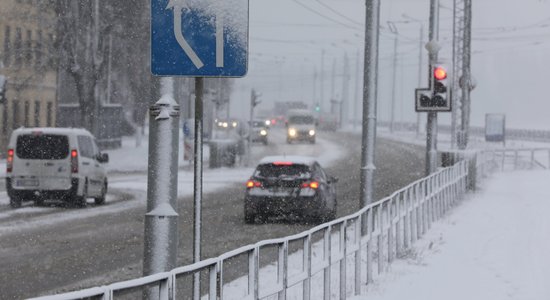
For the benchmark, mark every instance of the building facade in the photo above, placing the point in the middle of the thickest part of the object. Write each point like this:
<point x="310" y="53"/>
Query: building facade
<point x="28" y="61"/>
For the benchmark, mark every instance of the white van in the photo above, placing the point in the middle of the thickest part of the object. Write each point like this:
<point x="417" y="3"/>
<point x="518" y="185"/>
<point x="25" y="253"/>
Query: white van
<point x="55" y="163"/>
<point x="300" y="125"/>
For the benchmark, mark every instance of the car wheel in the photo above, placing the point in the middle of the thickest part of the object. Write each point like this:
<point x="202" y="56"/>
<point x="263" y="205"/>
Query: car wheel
<point x="15" y="201"/>
<point x="249" y="218"/>
<point x="101" y="199"/>
<point x="38" y="201"/>
<point x="312" y="141"/>
<point x="288" y="141"/>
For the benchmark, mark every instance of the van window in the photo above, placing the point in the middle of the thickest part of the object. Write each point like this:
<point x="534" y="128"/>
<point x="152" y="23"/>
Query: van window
<point x="44" y="146"/>
<point x="301" y="120"/>
<point x="85" y="145"/>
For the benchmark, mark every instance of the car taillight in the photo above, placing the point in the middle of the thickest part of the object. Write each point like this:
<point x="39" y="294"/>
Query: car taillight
<point x="74" y="161"/>
<point x="253" y="183"/>
<point x="9" y="162"/>
<point x="312" y="184"/>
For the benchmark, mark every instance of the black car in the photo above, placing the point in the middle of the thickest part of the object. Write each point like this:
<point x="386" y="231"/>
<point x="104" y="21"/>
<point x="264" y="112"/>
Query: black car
<point x="290" y="186"/>
<point x="258" y="131"/>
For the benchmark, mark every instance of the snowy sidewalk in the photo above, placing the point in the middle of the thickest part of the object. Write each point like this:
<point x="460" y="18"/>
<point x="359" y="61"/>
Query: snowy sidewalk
<point x="495" y="245"/>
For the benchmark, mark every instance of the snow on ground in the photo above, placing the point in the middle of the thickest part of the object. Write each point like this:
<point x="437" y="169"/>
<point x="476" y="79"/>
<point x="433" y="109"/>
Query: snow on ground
<point x="495" y="245"/>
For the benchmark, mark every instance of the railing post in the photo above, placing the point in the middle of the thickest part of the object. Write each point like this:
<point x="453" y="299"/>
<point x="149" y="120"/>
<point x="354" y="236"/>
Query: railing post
<point x="328" y="253"/>
<point x="370" y="222"/>
<point x="283" y="271"/>
<point x="343" y="250"/>
<point x="391" y="236"/>
<point x="406" y="219"/>
<point x="400" y="226"/>
<point x="379" y="218"/>
<point x="307" y="261"/>
<point x="213" y="284"/>
<point x="358" y="226"/>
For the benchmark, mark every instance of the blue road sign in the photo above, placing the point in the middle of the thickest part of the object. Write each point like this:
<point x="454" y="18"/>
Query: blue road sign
<point x="199" y="38"/>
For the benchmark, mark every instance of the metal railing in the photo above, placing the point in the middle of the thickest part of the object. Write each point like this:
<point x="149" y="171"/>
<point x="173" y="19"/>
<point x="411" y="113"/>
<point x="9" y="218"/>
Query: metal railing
<point x="366" y="241"/>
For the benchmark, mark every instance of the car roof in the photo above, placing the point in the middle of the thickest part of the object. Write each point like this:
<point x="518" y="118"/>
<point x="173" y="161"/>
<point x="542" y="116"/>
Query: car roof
<point x="295" y="159"/>
<point x="52" y="130"/>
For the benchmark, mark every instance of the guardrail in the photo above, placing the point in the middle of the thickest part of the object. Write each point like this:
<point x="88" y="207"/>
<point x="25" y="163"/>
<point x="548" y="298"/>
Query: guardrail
<point x="280" y="267"/>
<point x="365" y="242"/>
<point x="534" y="135"/>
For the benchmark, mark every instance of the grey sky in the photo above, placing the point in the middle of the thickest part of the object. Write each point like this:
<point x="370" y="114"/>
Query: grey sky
<point x="511" y="42"/>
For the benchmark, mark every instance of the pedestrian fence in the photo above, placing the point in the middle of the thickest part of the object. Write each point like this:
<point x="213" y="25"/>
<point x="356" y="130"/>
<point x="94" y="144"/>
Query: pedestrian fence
<point x="334" y="259"/>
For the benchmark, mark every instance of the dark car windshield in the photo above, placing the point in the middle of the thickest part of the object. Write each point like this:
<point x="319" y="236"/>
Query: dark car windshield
<point x="282" y="171"/>
<point x="301" y="120"/>
<point x="258" y="124"/>
<point x="46" y="146"/>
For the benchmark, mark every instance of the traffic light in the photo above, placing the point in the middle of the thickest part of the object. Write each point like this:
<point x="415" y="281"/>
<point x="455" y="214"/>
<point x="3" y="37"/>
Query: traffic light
<point x="3" y="84"/>
<point x="317" y="107"/>
<point x="441" y="91"/>
<point x="435" y="98"/>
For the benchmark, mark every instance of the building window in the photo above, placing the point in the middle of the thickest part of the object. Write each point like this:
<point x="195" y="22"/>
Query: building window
<point x="39" y="48"/>
<point x="37" y="113"/>
<point x="7" y="46"/>
<point x="28" y="49"/>
<point x="49" y="116"/>
<point x="17" y="46"/>
<point x="27" y="111"/>
<point x="5" y="120"/>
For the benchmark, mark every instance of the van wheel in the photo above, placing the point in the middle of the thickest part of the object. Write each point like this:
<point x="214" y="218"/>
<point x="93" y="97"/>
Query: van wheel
<point x="101" y="199"/>
<point x="15" y="202"/>
<point x="80" y="201"/>
<point x="38" y="201"/>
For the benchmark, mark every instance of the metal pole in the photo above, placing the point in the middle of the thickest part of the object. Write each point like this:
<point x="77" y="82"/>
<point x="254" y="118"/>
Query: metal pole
<point x="356" y="93"/>
<point x="322" y="79"/>
<point x="466" y="75"/>
<point x="372" y="24"/>
<point x="419" y="114"/>
<point x="109" y="68"/>
<point x="161" y="219"/>
<point x="392" y="117"/>
<point x="249" y="138"/>
<point x="431" y="132"/>
<point x="197" y="182"/>
<point x="345" y="90"/>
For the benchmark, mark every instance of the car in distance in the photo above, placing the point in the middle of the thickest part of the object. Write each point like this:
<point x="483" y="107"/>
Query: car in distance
<point x="258" y="131"/>
<point x="301" y="126"/>
<point x="55" y="163"/>
<point x="290" y="186"/>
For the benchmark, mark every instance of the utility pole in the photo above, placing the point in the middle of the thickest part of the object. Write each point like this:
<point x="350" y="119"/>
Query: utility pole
<point x="393" y="29"/>
<point x="356" y="92"/>
<point x="322" y="85"/>
<point x="431" y="128"/>
<point x="419" y="114"/>
<point x="161" y="219"/>
<point x="345" y="92"/>
<point x="466" y="75"/>
<point x="332" y="83"/>
<point x="368" y="137"/>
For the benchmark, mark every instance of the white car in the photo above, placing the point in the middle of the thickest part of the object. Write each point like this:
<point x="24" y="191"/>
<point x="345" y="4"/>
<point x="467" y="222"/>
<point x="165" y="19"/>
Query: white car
<point x="55" y="163"/>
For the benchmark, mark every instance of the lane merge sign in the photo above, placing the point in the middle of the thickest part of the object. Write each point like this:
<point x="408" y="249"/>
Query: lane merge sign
<point x="199" y="38"/>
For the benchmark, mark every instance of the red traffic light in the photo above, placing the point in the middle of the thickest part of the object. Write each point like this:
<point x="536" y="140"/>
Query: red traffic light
<point x="440" y="73"/>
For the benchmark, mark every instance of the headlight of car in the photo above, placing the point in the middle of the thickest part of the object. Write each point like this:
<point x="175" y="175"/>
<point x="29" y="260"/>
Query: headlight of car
<point x="292" y="132"/>
<point x="312" y="132"/>
<point x="263" y="132"/>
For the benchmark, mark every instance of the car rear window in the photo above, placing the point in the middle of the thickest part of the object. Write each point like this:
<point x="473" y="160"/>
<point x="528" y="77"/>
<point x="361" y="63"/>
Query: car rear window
<point x="43" y="146"/>
<point x="282" y="171"/>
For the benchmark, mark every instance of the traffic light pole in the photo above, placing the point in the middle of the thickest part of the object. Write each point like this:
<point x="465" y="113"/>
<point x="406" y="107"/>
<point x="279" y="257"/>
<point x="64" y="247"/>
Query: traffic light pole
<point x="466" y="75"/>
<point x="431" y="127"/>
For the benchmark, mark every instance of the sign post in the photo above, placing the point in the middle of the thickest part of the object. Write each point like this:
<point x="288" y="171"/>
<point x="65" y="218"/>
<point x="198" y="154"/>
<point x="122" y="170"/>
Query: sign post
<point x="207" y="38"/>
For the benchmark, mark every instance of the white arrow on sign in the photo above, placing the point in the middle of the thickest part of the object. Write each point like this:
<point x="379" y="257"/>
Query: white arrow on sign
<point x="178" y="5"/>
